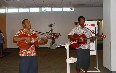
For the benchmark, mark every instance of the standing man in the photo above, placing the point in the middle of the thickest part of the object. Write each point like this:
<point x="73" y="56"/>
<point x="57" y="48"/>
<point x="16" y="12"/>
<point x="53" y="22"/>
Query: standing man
<point x="83" y="50"/>
<point x="27" y="39"/>
<point x="1" y="43"/>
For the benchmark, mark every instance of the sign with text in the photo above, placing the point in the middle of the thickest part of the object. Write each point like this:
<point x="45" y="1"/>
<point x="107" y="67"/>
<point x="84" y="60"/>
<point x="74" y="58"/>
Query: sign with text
<point x="92" y="25"/>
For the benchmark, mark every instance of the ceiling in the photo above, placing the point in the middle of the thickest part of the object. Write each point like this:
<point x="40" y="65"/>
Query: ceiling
<point x="50" y="3"/>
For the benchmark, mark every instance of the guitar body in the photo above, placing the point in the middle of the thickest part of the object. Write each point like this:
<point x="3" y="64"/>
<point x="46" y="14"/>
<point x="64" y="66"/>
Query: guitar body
<point x="78" y="41"/>
<point x="74" y="45"/>
<point x="23" y="45"/>
<point x="84" y="41"/>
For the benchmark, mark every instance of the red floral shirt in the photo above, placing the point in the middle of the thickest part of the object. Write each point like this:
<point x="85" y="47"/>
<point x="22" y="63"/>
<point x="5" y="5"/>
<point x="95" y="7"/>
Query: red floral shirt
<point x="25" y="48"/>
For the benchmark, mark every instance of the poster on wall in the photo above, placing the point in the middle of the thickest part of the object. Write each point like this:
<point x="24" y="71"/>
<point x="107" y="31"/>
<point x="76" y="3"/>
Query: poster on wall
<point x="92" y="25"/>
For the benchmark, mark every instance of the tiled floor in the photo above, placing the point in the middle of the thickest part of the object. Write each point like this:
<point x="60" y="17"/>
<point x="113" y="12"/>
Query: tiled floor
<point x="49" y="61"/>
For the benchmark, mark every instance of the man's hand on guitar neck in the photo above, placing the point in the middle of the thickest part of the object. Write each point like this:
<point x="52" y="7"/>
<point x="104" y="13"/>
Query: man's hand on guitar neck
<point x="92" y="39"/>
<point x="43" y="41"/>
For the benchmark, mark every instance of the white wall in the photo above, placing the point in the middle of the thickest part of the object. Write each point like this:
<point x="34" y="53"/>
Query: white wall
<point x="107" y="32"/>
<point x="113" y="35"/>
<point x="64" y="22"/>
<point x="109" y="51"/>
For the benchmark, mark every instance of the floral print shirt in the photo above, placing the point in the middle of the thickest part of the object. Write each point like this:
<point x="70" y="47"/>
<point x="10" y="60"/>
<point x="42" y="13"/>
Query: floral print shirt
<point x="30" y="51"/>
<point x="79" y="30"/>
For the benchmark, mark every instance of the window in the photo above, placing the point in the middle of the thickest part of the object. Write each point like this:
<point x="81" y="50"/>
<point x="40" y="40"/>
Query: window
<point x="56" y="9"/>
<point x="46" y="9"/>
<point x="68" y="9"/>
<point x="34" y="9"/>
<point x="23" y="9"/>
<point x="12" y="10"/>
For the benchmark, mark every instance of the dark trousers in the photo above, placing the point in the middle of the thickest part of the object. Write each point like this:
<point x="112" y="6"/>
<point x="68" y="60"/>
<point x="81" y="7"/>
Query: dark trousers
<point x="83" y="58"/>
<point x="28" y="64"/>
<point x="1" y="49"/>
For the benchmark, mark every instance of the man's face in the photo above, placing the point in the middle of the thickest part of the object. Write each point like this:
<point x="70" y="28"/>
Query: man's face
<point x="27" y="24"/>
<point x="82" y="21"/>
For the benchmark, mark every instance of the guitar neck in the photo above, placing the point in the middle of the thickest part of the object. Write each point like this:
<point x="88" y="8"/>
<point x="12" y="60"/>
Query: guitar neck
<point x="77" y="38"/>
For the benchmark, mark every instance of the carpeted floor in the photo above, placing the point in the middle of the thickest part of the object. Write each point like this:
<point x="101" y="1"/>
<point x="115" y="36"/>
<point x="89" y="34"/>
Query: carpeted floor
<point x="49" y="61"/>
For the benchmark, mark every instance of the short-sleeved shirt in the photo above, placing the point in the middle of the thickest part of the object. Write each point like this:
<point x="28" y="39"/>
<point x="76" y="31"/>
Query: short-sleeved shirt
<point x="79" y="30"/>
<point x="26" y="49"/>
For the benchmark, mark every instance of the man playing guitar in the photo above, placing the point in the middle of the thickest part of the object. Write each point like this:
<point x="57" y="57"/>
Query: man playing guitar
<point x="26" y="40"/>
<point x="82" y="45"/>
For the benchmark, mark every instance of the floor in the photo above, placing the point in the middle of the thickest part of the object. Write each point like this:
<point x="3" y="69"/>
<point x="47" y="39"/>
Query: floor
<point x="49" y="61"/>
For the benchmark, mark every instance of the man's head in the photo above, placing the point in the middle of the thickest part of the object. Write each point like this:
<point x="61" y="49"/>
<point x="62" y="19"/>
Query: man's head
<point x="81" y="20"/>
<point x="26" y="23"/>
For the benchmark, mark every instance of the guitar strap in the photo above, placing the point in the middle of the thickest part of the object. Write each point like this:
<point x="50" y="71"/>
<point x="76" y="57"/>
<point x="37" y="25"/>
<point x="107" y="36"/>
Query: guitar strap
<point x="91" y="31"/>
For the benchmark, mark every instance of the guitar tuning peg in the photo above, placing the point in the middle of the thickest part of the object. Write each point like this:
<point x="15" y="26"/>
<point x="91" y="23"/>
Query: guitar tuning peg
<point x="39" y="32"/>
<point x="36" y="31"/>
<point x="42" y="33"/>
<point x="47" y="32"/>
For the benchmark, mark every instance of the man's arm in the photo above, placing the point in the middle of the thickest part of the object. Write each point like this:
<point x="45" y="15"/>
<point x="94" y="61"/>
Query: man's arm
<point x="16" y="39"/>
<point x="70" y="35"/>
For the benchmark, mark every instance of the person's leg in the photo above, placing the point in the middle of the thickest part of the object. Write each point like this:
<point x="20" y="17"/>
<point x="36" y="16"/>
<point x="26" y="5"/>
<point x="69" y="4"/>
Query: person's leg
<point x="83" y="59"/>
<point x="23" y="64"/>
<point x="33" y="66"/>
<point x="78" y="60"/>
<point x="86" y="59"/>
<point x="1" y="50"/>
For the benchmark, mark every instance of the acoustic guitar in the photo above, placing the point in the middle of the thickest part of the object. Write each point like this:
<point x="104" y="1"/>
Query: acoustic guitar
<point x="82" y="39"/>
<point x="23" y="44"/>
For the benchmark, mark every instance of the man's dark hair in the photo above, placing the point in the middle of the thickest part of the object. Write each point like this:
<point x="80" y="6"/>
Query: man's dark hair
<point x="23" y="22"/>
<point x="81" y="17"/>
